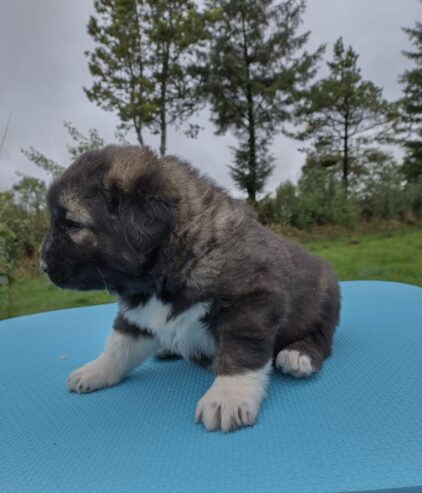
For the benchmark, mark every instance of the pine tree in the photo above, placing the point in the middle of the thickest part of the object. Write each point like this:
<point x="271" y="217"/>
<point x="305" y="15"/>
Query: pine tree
<point x="342" y="115"/>
<point x="254" y="68"/>
<point x="141" y="63"/>
<point x="411" y="107"/>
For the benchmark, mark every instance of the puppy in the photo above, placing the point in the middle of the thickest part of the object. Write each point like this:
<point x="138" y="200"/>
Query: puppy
<point x="195" y="274"/>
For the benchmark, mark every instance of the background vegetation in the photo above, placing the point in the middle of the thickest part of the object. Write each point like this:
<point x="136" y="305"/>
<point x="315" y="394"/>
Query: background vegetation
<point x="156" y="63"/>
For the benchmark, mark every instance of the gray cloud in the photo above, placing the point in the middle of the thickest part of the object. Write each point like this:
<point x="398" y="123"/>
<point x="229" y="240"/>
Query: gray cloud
<point x="43" y="69"/>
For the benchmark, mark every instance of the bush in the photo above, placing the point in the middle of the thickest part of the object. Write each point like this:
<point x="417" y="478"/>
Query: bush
<point x="413" y="197"/>
<point x="9" y="244"/>
<point x="23" y="222"/>
<point x="319" y="198"/>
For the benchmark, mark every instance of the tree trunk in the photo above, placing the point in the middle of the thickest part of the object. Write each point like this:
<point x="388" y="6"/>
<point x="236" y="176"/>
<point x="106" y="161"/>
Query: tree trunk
<point x="163" y="97"/>
<point x="163" y="132"/>
<point x="138" y="132"/>
<point x="138" y="126"/>
<point x="252" y="185"/>
<point x="252" y="148"/>
<point x="346" y="152"/>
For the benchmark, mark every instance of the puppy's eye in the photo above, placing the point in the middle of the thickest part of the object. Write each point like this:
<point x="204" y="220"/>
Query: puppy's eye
<point x="71" y="224"/>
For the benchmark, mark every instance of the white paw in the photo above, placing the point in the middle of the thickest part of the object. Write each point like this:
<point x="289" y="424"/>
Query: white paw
<point x="93" y="376"/>
<point x="232" y="401"/>
<point x="294" y="363"/>
<point x="221" y="412"/>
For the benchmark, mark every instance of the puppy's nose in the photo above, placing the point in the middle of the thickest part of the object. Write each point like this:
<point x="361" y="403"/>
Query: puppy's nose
<point x="43" y="266"/>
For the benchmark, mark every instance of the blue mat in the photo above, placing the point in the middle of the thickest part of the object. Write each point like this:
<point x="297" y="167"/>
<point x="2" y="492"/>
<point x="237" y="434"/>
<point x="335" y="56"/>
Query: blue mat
<point x="357" y="426"/>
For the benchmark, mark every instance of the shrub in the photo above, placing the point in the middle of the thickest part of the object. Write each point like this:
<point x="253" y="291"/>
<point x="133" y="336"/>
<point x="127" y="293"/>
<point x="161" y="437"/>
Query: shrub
<point x="23" y="222"/>
<point x="319" y="197"/>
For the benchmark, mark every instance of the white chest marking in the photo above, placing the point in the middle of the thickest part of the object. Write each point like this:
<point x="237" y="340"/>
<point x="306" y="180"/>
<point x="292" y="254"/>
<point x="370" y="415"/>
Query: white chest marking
<point x="184" y="334"/>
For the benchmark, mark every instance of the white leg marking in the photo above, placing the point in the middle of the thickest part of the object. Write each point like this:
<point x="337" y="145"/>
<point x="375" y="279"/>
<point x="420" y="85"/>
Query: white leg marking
<point x="121" y="354"/>
<point x="294" y="363"/>
<point x="233" y="401"/>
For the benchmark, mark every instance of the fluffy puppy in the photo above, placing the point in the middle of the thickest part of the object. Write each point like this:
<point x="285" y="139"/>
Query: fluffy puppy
<point x="195" y="274"/>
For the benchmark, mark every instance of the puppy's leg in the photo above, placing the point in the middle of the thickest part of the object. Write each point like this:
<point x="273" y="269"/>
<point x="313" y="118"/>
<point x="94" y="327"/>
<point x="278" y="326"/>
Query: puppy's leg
<point x="242" y="364"/>
<point x="123" y="352"/>
<point x="304" y="357"/>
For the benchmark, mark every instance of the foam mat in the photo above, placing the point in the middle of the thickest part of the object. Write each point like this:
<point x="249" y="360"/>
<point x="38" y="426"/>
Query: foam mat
<point x="356" y="426"/>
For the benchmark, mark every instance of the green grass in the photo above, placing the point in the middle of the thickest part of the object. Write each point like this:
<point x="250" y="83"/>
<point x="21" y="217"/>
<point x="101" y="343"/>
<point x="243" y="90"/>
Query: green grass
<point x="33" y="294"/>
<point x="390" y="256"/>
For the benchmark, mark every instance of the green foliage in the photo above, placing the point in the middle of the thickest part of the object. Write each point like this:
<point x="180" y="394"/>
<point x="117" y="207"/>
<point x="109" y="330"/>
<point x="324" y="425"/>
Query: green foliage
<point x="411" y="108"/>
<point x="413" y="192"/>
<point x="23" y="222"/>
<point x="141" y="64"/>
<point x="342" y="115"/>
<point x="24" y="212"/>
<point x="323" y="199"/>
<point x="30" y="193"/>
<point x="80" y="143"/>
<point x="9" y="243"/>
<point x="248" y="176"/>
<point x="280" y="209"/>
<point x="255" y="64"/>
<point x="319" y="197"/>
<point x="382" y="191"/>
<point x="43" y="162"/>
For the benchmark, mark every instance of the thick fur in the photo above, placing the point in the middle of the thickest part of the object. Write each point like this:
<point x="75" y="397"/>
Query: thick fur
<point x="194" y="271"/>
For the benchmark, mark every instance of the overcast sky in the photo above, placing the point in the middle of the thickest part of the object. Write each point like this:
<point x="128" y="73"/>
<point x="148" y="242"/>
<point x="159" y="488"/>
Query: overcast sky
<point x="43" y="69"/>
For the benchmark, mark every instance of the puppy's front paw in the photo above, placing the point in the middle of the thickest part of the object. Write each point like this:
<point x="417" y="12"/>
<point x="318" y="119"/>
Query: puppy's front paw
<point x="93" y="376"/>
<point x="232" y="401"/>
<point x="226" y="414"/>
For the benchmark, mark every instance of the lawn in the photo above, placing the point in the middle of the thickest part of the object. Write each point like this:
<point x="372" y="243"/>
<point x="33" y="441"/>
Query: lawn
<point x="34" y="293"/>
<point x="390" y="256"/>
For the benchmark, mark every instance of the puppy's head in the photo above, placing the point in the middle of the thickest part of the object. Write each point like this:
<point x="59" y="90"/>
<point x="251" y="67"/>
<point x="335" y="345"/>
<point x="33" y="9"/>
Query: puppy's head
<point x="111" y="211"/>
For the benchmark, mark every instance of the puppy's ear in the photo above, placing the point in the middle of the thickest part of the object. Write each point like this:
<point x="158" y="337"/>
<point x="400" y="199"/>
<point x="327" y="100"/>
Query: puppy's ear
<point x="131" y="169"/>
<point x="137" y="193"/>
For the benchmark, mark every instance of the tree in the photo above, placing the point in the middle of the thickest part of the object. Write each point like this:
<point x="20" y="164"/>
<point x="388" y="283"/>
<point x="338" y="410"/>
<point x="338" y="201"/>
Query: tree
<point x="342" y="115"/>
<point x="141" y="63"/>
<point x="80" y="144"/>
<point x="254" y="68"/>
<point x="30" y="193"/>
<point x="411" y="107"/>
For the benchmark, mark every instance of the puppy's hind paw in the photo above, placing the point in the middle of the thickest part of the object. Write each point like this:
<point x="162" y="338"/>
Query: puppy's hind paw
<point x="294" y="363"/>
